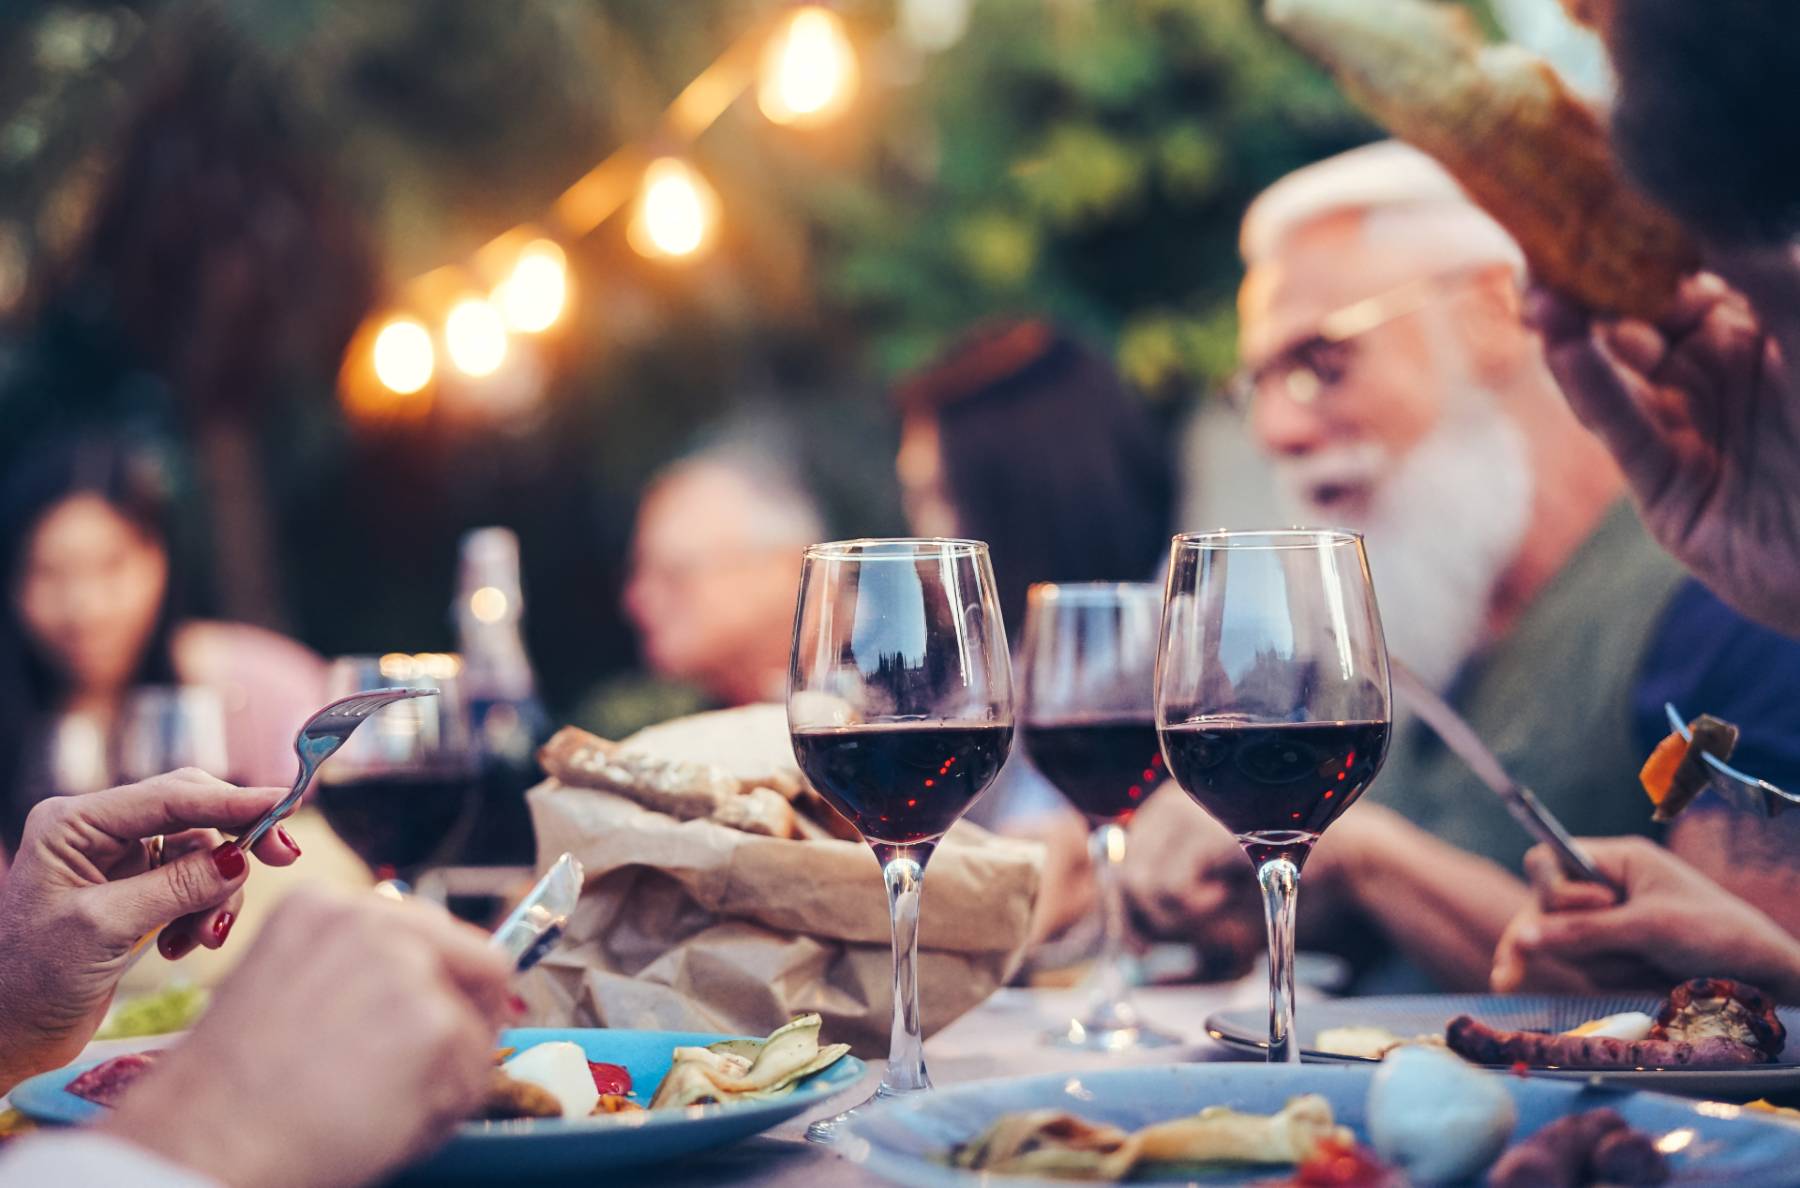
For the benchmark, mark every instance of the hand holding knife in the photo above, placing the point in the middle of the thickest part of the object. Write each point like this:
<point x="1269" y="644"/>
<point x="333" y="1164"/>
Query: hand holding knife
<point x="1520" y="801"/>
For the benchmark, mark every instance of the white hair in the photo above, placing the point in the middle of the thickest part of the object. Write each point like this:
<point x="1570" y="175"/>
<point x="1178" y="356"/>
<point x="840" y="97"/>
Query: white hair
<point x="785" y="512"/>
<point x="1406" y="199"/>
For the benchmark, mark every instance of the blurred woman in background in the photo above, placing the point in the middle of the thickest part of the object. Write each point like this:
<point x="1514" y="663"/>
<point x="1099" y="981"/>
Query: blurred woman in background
<point x="94" y="613"/>
<point x="1021" y="436"/>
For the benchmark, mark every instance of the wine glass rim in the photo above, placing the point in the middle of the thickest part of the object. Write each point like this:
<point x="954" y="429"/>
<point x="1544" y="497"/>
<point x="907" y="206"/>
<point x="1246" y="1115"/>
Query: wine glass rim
<point x="1268" y="538"/>
<point x="904" y="548"/>
<point x="1091" y="592"/>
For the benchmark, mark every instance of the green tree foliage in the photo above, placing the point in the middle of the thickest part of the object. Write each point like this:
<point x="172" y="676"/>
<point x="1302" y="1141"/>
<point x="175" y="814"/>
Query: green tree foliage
<point x="1084" y="160"/>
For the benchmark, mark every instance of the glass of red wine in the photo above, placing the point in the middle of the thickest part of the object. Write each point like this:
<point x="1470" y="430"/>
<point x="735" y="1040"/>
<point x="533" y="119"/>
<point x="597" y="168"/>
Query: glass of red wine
<point x="401" y="791"/>
<point x="900" y="707"/>
<point x="1089" y="725"/>
<point x="1273" y="705"/>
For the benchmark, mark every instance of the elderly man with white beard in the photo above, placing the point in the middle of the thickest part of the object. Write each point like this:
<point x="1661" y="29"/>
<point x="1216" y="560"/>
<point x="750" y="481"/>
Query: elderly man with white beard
<point x="1390" y="382"/>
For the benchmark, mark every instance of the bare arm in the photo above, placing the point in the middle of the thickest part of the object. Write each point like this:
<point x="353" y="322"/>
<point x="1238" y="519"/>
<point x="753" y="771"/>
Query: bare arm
<point x="1756" y="860"/>
<point x="1443" y="907"/>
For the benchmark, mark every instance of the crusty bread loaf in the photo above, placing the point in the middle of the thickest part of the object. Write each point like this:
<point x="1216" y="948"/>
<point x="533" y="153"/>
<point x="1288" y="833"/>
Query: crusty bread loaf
<point x="1526" y="149"/>
<point x="749" y="743"/>
<point x="682" y="788"/>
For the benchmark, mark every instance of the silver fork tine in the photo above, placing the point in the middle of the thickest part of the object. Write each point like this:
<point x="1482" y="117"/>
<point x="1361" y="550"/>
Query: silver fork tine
<point x="318" y="738"/>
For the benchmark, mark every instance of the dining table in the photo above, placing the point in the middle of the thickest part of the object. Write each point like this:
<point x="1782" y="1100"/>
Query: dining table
<point x="1003" y="1037"/>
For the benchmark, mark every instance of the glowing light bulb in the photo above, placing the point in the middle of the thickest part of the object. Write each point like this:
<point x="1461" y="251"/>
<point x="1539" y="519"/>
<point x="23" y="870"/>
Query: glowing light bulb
<point x="676" y="210"/>
<point x="488" y="604"/>
<point x="403" y="356"/>
<point x="475" y="336"/>
<point x="534" y="294"/>
<point x="808" y="69"/>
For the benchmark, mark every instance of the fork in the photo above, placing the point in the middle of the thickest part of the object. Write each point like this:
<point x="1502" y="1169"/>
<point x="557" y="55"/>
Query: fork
<point x="319" y="738"/>
<point x="1736" y="788"/>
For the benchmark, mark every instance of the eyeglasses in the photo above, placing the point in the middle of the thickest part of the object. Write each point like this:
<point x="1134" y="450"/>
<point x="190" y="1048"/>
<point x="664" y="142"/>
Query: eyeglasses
<point x="1309" y="370"/>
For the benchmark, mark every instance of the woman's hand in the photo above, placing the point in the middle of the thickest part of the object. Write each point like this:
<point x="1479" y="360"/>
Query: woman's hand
<point x="352" y="1037"/>
<point x="1673" y="924"/>
<point x="81" y="895"/>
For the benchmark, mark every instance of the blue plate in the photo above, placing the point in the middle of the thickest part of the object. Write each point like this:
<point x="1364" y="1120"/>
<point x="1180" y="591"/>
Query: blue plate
<point x="1429" y="1014"/>
<point x="556" y="1145"/>
<point x="908" y="1141"/>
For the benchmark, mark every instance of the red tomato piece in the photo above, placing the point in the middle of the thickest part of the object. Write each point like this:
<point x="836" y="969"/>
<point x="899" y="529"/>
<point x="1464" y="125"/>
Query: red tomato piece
<point x="610" y="1078"/>
<point x="1342" y="1165"/>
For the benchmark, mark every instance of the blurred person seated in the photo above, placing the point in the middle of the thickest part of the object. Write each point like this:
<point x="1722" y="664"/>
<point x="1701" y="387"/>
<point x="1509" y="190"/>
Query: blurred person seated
<point x="354" y="1037"/>
<point x="1673" y="924"/>
<point x="95" y="612"/>
<point x="1396" y="391"/>
<point x="1702" y="407"/>
<point x="1021" y="436"/>
<point x="715" y="563"/>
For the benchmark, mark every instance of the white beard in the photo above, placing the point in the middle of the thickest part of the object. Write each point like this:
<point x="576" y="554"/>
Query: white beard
<point x="1442" y="524"/>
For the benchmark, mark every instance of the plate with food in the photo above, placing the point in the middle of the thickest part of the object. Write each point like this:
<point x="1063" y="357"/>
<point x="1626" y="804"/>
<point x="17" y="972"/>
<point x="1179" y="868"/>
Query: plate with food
<point x="1709" y="1036"/>
<point x="1422" y="1117"/>
<point x="570" y="1099"/>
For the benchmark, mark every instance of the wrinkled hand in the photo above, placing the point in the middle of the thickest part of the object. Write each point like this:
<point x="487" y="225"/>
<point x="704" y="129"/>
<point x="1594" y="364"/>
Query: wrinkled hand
<point x="80" y="897"/>
<point x="1703" y="416"/>
<point x="352" y="1038"/>
<point x="1673" y="924"/>
<point x="1186" y="878"/>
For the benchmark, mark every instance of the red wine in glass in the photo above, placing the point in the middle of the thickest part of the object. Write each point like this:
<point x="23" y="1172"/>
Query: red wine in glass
<point x="1276" y="785"/>
<point x="399" y="822"/>
<point x="1104" y="767"/>
<point x="899" y="782"/>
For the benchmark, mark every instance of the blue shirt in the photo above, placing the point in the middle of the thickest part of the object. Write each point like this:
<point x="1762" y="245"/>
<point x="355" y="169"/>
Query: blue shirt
<point x="1705" y="658"/>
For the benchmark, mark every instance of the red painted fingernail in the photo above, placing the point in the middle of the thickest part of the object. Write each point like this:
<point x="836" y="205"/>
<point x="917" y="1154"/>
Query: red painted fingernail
<point x="173" y="945"/>
<point x="287" y="840"/>
<point x="222" y="926"/>
<point x="517" y="1004"/>
<point x="229" y="859"/>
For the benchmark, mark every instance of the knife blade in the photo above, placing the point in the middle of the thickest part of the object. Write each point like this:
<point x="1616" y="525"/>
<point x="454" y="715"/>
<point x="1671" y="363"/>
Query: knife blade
<point x="534" y="927"/>
<point x="1456" y="733"/>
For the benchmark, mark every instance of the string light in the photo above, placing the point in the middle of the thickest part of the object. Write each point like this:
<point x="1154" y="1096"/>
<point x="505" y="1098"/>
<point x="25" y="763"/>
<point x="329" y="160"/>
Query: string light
<point x="536" y="292"/>
<point x="676" y="210"/>
<point x="808" y="69"/>
<point x="403" y="356"/>
<point x="475" y="337"/>
<point x="804" y="71"/>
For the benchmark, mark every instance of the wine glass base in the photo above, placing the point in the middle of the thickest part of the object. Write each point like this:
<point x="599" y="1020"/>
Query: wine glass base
<point x="830" y="1130"/>
<point x="1084" y="1037"/>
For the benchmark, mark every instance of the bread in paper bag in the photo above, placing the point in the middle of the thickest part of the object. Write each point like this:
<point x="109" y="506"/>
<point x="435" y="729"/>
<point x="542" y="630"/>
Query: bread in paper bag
<point x="694" y="925"/>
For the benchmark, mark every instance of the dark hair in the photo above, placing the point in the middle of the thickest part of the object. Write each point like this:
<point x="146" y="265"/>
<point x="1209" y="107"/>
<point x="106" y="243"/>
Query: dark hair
<point x="134" y="483"/>
<point x="1705" y="119"/>
<point x="1049" y="458"/>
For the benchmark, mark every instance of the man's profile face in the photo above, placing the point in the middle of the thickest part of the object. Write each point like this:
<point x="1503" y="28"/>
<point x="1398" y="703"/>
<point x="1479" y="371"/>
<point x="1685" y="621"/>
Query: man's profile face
<point x="1377" y="394"/>
<point x="705" y="589"/>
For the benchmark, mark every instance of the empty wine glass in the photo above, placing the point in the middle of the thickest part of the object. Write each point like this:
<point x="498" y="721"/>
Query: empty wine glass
<point x="1273" y="705"/>
<point x="1089" y="725"/>
<point x="402" y="790"/>
<point x="164" y="727"/>
<point x="900" y="708"/>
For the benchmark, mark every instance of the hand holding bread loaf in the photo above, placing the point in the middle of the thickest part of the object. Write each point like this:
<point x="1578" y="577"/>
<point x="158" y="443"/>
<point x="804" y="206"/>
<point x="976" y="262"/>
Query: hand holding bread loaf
<point x="1511" y="132"/>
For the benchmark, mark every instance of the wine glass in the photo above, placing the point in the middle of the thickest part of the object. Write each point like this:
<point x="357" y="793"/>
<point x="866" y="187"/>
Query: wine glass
<point x="164" y="727"/>
<point x="900" y="710"/>
<point x="1273" y="705"/>
<point x="1089" y="725"/>
<point x="402" y="790"/>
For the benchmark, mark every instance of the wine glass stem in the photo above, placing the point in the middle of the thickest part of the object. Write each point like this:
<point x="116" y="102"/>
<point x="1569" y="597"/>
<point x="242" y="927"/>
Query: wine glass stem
<point x="1280" y="880"/>
<point x="903" y="869"/>
<point x="1109" y="1007"/>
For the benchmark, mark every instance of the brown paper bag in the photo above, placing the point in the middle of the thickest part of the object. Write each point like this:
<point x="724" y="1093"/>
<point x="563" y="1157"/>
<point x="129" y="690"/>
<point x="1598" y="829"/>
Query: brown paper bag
<point x="698" y="927"/>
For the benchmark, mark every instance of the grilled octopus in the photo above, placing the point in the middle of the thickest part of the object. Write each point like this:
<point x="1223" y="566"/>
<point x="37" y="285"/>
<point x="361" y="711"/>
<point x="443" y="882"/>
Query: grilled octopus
<point x="1704" y="1023"/>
